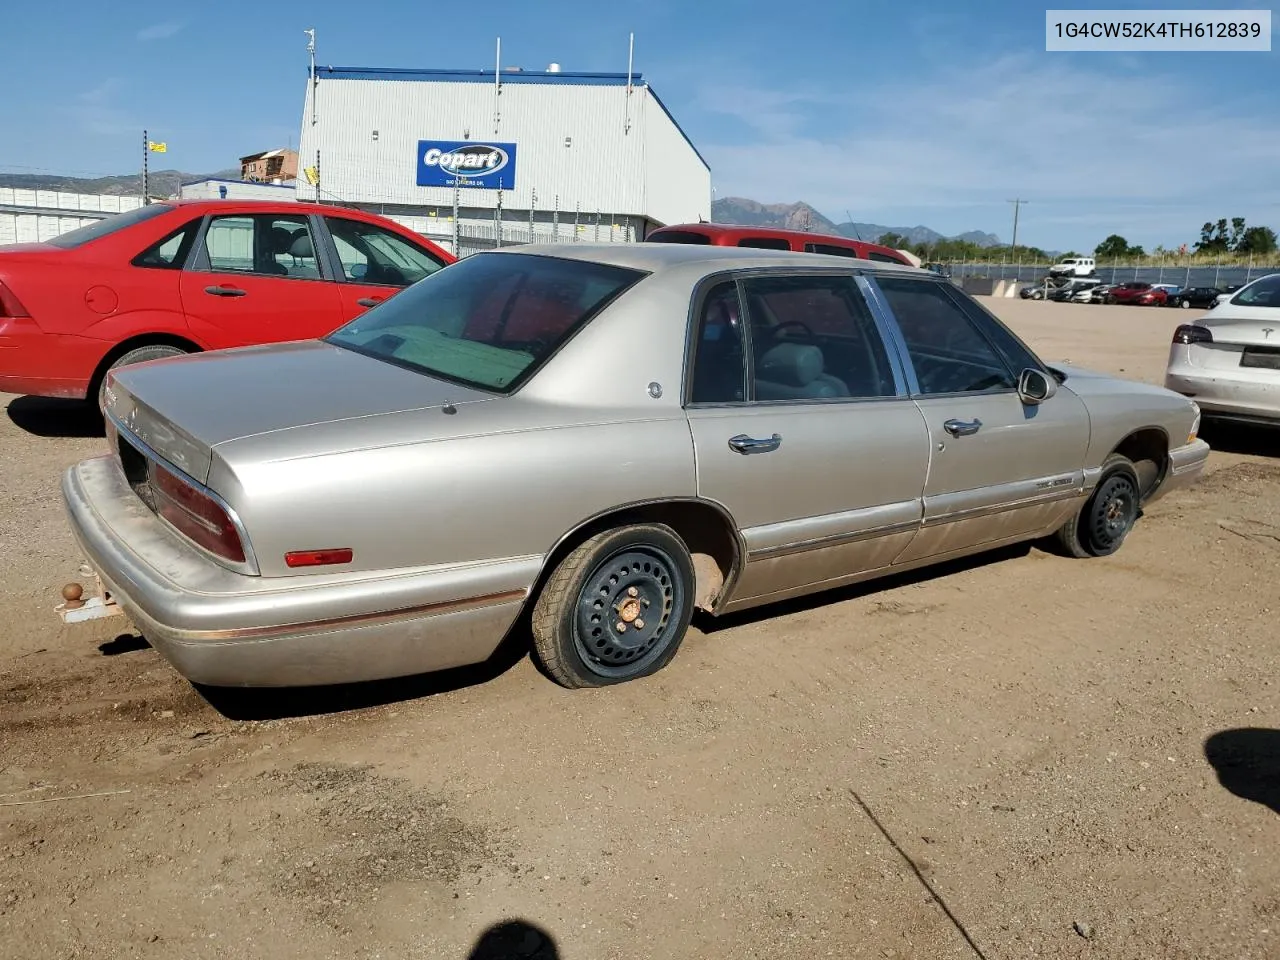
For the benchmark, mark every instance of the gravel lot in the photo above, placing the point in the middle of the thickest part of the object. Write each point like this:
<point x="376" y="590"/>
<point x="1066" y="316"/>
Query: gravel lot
<point x="1009" y="758"/>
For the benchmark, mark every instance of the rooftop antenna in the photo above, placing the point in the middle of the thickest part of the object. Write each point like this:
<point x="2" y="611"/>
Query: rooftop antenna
<point x="631" y="51"/>
<point x="852" y="224"/>
<point x="311" y="54"/>
<point x="497" y="87"/>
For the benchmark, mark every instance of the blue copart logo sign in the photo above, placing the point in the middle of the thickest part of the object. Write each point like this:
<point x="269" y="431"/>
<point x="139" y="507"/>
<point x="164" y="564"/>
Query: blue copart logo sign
<point x="464" y="163"/>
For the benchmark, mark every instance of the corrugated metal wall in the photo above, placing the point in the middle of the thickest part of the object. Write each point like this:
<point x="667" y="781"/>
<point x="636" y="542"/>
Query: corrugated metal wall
<point x="23" y="216"/>
<point x="602" y="169"/>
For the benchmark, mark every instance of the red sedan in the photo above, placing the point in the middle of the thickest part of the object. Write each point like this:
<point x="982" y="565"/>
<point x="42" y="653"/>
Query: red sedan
<point x="184" y="276"/>
<point x="1137" y="293"/>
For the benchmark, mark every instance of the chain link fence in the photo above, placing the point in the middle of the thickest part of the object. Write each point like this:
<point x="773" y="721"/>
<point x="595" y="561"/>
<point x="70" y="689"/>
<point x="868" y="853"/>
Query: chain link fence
<point x="1220" y="274"/>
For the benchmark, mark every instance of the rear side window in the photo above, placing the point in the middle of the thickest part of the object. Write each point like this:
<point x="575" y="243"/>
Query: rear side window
<point x="679" y="236"/>
<point x="765" y="243"/>
<point x="1261" y="293"/>
<point x="171" y="252"/>
<point x="274" y="245"/>
<point x="489" y="320"/>
<point x="882" y="257"/>
<point x="109" y="225"/>
<point x="830" y="250"/>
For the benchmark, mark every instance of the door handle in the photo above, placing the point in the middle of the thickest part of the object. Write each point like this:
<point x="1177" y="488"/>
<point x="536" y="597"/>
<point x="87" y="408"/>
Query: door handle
<point x="225" y="291"/>
<point x="369" y="301"/>
<point x="744" y="444"/>
<point x="962" y="428"/>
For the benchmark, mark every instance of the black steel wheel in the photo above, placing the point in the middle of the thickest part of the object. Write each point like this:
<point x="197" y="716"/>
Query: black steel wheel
<point x="1101" y="525"/>
<point x="616" y="608"/>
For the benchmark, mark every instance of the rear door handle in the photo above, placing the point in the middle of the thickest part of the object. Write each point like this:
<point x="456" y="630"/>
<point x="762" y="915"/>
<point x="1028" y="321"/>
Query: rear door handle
<point x="369" y="301"/>
<point x="744" y="444"/>
<point x="225" y="291"/>
<point x="962" y="428"/>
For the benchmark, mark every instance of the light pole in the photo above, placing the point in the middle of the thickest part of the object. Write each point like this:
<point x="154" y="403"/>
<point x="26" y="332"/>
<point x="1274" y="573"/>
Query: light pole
<point x="1016" y="205"/>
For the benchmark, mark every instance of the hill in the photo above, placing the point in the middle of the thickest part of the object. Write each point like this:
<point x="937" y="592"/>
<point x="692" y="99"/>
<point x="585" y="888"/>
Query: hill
<point x="160" y="183"/>
<point x="801" y="216"/>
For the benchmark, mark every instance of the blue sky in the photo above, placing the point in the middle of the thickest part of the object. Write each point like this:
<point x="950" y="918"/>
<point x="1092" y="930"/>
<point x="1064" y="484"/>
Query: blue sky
<point x="928" y="113"/>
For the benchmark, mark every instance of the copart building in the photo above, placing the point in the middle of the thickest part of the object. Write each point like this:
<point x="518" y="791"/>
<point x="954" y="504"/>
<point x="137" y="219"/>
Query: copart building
<point x="516" y="154"/>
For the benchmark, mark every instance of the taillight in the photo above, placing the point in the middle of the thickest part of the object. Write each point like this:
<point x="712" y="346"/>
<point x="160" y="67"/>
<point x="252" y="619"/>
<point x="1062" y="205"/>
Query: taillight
<point x="195" y="514"/>
<point x="10" y="306"/>
<point x="1191" y="333"/>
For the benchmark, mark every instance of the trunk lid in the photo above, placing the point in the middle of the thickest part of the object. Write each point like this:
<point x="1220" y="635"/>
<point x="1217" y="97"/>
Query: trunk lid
<point x="185" y="406"/>
<point x="1251" y="331"/>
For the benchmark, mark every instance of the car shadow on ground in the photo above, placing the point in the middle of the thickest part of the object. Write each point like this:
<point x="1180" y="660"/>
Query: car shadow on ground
<point x="515" y="938"/>
<point x="1242" y="439"/>
<point x="54" y="417"/>
<point x="1247" y="761"/>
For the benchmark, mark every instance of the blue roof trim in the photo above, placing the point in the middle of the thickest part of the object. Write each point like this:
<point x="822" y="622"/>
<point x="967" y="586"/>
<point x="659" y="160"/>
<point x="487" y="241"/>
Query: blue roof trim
<point x="524" y="76"/>
<point x="476" y="76"/>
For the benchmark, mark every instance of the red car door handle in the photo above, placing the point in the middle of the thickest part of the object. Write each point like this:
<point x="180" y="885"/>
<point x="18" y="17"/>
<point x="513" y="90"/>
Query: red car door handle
<point x="225" y="291"/>
<point x="369" y="301"/>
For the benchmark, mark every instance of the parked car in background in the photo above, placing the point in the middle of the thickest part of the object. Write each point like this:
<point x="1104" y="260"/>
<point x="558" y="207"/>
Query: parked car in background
<point x="1203" y="297"/>
<point x="1072" y="288"/>
<point x="1042" y="288"/>
<point x="1099" y="293"/>
<point x="1228" y="360"/>
<point x="1074" y="267"/>
<point x="1225" y="292"/>
<point x="348" y="509"/>
<point x="184" y="276"/>
<point x="1137" y="293"/>
<point x="769" y="238"/>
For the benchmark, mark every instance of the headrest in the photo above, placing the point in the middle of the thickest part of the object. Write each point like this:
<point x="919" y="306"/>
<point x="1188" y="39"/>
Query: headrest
<point x="280" y="240"/>
<point x="301" y="246"/>
<point x="793" y="364"/>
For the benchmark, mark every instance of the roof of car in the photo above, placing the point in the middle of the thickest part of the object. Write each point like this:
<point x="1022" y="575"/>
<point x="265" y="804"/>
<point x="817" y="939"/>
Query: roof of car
<point x="267" y="206"/>
<point x="733" y="229"/>
<point x="660" y="256"/>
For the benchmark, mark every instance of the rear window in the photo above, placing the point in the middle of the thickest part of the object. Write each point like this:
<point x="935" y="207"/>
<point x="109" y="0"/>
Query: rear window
<point x="765" y="243"/>
<point x="489" y="320"/>
<point x="679" y="236"/>
<point x="109" y="225"/>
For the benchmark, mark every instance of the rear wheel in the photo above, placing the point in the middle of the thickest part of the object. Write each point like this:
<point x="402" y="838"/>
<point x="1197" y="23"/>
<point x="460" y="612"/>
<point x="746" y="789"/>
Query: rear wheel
<point x="616" y="608"/>
<point x="152" y="351"/>
<point x="1101" y="525"/>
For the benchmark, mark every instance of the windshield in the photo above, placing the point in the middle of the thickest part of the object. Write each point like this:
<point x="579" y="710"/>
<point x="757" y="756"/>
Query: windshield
<point x="489" y="320"/>
<point x="108" y="225"/>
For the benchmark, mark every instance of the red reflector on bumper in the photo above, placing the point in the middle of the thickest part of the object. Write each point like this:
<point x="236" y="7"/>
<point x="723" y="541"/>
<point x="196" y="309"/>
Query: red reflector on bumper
<point x="318" y="558"/>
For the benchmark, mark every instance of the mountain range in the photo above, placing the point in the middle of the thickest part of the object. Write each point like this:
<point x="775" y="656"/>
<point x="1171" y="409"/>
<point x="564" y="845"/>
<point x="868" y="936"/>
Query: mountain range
<point x="160" y="183"/>
<point x="801" y="216"/>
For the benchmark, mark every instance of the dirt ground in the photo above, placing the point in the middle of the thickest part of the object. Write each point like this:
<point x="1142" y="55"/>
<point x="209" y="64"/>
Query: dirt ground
<point x="1017" y="756"/>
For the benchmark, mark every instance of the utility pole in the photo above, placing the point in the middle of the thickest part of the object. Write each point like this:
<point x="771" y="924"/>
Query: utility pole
<point x="1016" y="205"/>
<point x="146" y="149"/>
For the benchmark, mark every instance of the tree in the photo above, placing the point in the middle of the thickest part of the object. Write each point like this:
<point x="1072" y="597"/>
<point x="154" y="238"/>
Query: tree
<point x="1257" y="241"/>
<point x="1237" y="233"/>
<point x="1112" y="248"/>
<point x="1213" y="238"/>
<point x="895" y="240"/>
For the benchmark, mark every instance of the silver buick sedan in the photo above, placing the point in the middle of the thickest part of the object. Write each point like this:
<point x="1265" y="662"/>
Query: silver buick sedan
<point x="607" y="437"/>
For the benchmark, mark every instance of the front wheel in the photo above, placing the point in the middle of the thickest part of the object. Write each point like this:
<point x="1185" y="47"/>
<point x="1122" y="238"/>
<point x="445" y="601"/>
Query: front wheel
<point x="616" y="608"/>
<point x="1184" y="304"/>
<point x="1101" y="525"/>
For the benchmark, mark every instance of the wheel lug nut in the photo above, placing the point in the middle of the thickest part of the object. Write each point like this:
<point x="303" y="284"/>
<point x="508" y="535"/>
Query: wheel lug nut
<point x="622" y="627"/>
<point x="639" y="624"/>
<point x="632" y="591"/>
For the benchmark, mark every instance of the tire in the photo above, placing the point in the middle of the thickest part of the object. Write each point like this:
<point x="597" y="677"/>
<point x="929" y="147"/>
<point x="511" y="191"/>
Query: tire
<point x="1099" y="528"/>
<point x="630" y="569"/>
<point x="1184" y="304"/>
<point x="152" y="351"/>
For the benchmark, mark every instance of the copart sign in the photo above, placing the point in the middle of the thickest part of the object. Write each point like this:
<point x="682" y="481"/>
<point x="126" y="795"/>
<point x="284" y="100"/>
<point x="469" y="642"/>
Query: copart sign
<point x="466" y="163"/>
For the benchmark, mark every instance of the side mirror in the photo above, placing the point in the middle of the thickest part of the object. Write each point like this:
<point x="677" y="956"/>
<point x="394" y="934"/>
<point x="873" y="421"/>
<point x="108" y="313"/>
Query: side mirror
<point x="1035" y="386"/>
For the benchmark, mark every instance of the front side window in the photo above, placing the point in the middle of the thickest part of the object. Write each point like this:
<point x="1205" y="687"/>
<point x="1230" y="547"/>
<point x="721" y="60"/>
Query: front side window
<point x="274" y="245"/>
<point x="814" y="338"/>
<point x="490" y="320"/>
<point x="946" y="349"/>
<point x="372" y="254"/>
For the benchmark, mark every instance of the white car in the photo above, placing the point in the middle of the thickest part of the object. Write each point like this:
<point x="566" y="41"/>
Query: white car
<point x="1228" y="361"/>
<point x="1073" y="267"/>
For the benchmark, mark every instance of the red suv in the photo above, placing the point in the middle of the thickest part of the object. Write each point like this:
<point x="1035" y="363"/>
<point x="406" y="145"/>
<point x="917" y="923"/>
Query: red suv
<point x="1138" y="293"/>
<point x="769" y="238"/>
<point x="182" y="276"/>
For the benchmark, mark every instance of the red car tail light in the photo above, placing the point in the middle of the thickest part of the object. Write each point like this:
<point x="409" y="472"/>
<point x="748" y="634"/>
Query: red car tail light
<point x="196" y="514"/>
<point x="10" y="306"/>
<point x="318" y="558"/>
<point x="1190" y="333"/>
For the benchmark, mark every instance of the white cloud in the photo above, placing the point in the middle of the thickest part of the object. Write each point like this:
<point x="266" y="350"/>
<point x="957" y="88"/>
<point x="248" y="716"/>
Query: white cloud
<point x="1123" y="151"/>
<point x="159" y="31"/>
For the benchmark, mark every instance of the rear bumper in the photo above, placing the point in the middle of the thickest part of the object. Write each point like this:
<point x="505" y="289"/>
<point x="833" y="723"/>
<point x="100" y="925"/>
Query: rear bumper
<point x="1245" y="393"/>
<point x="1186" y="465"/>
<point x="46" y="364"/>
<point x="222" y="628"/>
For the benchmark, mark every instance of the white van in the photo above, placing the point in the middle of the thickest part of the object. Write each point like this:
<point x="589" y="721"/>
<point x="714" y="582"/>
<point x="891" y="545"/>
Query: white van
<point x="1073" y="267"/>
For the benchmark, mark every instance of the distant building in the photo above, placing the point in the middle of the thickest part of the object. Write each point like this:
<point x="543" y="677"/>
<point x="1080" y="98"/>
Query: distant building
<point x="273" y="166"/>
<point x="525" y="155"/>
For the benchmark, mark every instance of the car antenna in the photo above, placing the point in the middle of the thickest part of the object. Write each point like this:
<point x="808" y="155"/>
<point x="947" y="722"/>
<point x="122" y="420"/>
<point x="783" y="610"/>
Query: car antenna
<point x="852" y="224"/>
